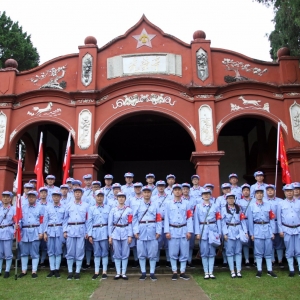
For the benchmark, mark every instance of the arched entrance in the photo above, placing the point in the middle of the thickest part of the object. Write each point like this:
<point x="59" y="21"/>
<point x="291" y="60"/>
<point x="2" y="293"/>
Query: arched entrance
<point x="143" y="143"/>
<point x="54" y="146"/>
<point x="249" y="144"/>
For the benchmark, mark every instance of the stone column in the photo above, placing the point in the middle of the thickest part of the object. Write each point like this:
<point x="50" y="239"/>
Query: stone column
<point x="8" y="168"/>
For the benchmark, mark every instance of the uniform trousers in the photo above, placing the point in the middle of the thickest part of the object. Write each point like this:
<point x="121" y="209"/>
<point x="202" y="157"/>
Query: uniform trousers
<point x="101" y="250"/>
<point x="43" y="249"/>
<point x="178" y="249"/>
<point x="292" y="244"/>
<point x="32" y="249"/>
<point x="163" y="243"/>
<point x="191" y="247"/>
<point x="233" y="249"/>
<point x="6" y="249"/>
<point x="208" y="253"/>
<point x="121" y="249"/>
<point x="147" y="249"/>
<point x="75" y="248"/>
<point x="54" y="245"/>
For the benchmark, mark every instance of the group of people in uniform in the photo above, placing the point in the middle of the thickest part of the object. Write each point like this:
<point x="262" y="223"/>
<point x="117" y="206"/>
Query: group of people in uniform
<point x="72" y="222"/>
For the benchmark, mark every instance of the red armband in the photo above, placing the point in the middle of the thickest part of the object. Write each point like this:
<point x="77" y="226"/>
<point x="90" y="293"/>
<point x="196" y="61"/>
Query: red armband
<point x="41" y="219"/>
<point x="130" y="217"/>
<point x="158" y="217"/>
<point x="218" y="216"/>
<point x="189" y="214"/>
<point x="271" y="215"/>
<point x="242" y="216"/>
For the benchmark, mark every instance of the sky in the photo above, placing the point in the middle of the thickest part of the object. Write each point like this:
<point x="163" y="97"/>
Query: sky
<point x="58" y="27"/>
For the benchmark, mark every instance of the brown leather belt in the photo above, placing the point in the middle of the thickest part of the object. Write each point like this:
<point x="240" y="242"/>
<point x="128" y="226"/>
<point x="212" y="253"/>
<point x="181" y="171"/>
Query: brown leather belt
<point x="261" y="223"/>
<point x="146" y="222"/>
<point x="54" y="225"/>
<point x="291" y="226"/>
<point x="119" y="225"/>
<point x="233" y="224"/>
<point x="99" y="225"/>
<point x="3" y="226"/>
<point x="177" y="226"/>
<point x="30" y="226"/>
<point x="76" y="223"/>
<point x="203" y="223"/>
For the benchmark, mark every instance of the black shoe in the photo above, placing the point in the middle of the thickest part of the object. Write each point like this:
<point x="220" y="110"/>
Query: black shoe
<point x="118" y="276"/>
<point x="34" y="276"/>
<point x="291" y="274"/>
<point x="51" y="274"/>
<point x="95" y="276"/>
<point x="143" y="277"/>
<point x="124" y="277"/>
<point x="168" y="264"/>
<point x="258" y="274"/>
<point x="56" y="273"/>
<point x="85" y="267"/>
<point x="272" y="274"/>
<point x="281" y="265"/>
<point x="224" y="266"/>
<point x="22" y="275"/>
<point x="104" y="276"/>
<point x="6" y="275"/>
<point x="135" y="264"/>
<point x="77" y="276"/>
<point x="184" y="277"/>
<point x="153" y="277"/>
<point x="190" y="265"/>
<point x="70" y="276"/>
<point x="174" y="276"/>
<point x="42" y="265"/>
<point x="157" y="265"/>
<point x="247" y="265"/>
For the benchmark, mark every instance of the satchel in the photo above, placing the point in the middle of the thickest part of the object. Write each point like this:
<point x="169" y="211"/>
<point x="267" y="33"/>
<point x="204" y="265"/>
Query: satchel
<point x="243" y="238"/>
<point x="214" y="239"/>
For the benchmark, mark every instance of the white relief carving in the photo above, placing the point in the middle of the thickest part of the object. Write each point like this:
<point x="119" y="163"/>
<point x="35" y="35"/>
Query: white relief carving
<point x="73" y="132"/>
<point x="16" y="104"/>
<point x="218" y="127"/>
<point x="204" y="96"/>
<point x="12" y="135"/>
<point x="84" y="129"/>
<point x="73" y="102"/>
<point x="295" y="120"/>
<point x="46" y="111"/>
<point x="4" y="104"/>
<point x="186" y="95"/>
<point x="235" y="107"/>
<point x="102" y="99"/>
<point x="55" y="75"/>
<point x="202" y="64"/>
<point x="266" y="107"/>
<point x="87" y="69"/>
<point x="86" y="101"/>
<point x="283" y="125"/>
<point x="135" y="99"/>
<point x="217" y="97"/>
<point x="293" y="94"/>
<point x="206" y="125"/>
<point x="278" y="95"/>
<point x="3" y="123"/>
<point x="249" y="102"/>
<point x="97" y="135"/>
<point x="192" y="130"/>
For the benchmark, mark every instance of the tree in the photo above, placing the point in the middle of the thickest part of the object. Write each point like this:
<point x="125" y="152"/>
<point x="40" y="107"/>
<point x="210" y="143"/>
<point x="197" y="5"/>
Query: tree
<point x="287" y="26"/>
<point x="16" y="44"/>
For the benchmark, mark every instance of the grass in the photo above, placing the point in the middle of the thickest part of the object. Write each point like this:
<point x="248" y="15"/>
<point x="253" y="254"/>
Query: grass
<point x="250" y="287"/>
<point x="44" y="288"/>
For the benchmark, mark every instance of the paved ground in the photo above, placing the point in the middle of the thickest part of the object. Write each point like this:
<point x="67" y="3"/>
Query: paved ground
<point x="163" y="288"/>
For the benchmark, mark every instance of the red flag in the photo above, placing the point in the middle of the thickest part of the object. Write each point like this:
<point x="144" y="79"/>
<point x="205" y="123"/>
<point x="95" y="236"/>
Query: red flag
<point x="38" y="170"/>
<point x="67" y="160"/>
<point x="286" y="176"/>
<point x="18" y="216"/>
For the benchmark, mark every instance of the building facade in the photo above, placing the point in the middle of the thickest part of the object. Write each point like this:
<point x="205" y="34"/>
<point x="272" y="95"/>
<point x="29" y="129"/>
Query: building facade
<point x="148" y="102"/>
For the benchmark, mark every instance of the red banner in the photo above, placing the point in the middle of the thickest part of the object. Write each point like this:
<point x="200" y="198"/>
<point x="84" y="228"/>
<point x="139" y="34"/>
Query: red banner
<point x="67" y="160"/>
<point x="38" y="170"/>
<point x="18" y="216"/>
<point x="286" y="176"/>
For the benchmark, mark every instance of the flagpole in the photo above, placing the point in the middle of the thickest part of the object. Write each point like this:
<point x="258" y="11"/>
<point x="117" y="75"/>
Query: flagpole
<point x="277" y="156"/>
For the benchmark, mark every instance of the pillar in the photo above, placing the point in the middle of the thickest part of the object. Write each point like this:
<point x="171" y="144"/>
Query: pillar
<point x="8" y="167"/>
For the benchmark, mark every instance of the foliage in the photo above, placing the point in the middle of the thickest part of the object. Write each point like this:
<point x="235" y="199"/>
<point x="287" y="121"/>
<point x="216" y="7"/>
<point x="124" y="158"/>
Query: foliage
<point x="16" y="44"/>
<point x="287" y="26"/>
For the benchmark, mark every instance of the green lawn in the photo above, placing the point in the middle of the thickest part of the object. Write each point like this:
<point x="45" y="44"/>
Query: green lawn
<point x="250" y="287"/>
<point x="44" y="288"/>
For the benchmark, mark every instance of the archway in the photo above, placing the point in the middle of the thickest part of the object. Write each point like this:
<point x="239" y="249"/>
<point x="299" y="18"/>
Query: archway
<point x="144" y="143"/>
<point x="249" y="144"/>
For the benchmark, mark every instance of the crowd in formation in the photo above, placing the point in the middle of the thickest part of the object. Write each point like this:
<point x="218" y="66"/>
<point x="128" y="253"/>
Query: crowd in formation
<point x="74" y="222"/>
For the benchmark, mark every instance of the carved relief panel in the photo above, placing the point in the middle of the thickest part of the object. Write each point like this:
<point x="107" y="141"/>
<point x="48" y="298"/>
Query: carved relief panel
<point x="84" y="129"/>
<point x="206" y="125"/>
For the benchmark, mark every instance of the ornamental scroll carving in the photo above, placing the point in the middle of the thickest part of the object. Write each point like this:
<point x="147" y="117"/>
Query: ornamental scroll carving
<point x="206" y="125"/>
<point x="87" y="69"/>
<point x="295" y="120"/>
<point x="3" y="123"/>
<point x="202" y="64"/>
<point x="84" y="129"/>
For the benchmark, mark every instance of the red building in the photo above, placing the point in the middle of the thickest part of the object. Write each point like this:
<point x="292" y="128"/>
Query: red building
<point x="148" y="102"/>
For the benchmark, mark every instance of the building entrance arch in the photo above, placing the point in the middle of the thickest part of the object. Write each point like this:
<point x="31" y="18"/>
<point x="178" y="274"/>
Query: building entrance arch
<point x="146" y="142"/>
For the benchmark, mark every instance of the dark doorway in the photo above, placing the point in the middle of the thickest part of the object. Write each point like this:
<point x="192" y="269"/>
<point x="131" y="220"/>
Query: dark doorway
<point x="147" y="143"/>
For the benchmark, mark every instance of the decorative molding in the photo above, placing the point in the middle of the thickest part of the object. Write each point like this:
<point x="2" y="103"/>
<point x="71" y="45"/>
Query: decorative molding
<point x="86" y="101"/>
<point x="203" y="96"/>
<point x="73" y="132"/>
<point x="217" y="97"/>
<point x="84" y="129"/>
<point x="16" y="104"/>
<point x="278" y="95"/>
<point x="295" y="120"/>
<point x="97" y="135"/>
<point x="4" y="104"/>
<point x="202" y="64"/>
<point x="12" y="135"/>
<point x="3" y="123"/>
<point x="46" y="111"/>
<point x="186" y="96"/>
<point x="102" y="99"/>
<point x="135" y="99"/>
<point x="206" y="125"/>
<point x="193" y="131"/>
<point x="73" y="102"/>
<point x="293" y="94"/>
<point x="87" y="69"/>
<point x="55" y="75"/>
